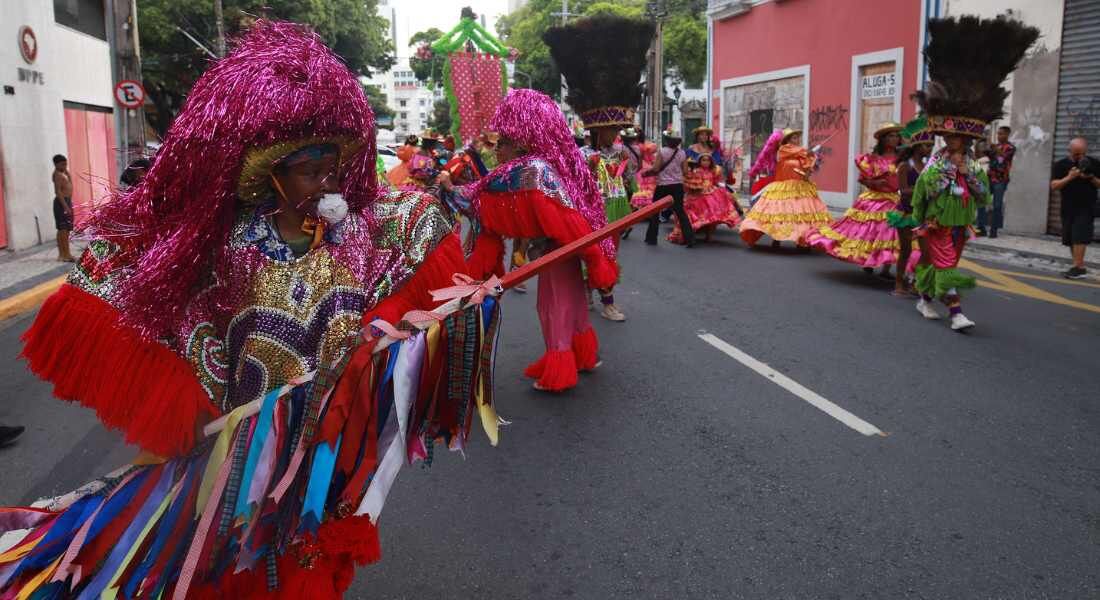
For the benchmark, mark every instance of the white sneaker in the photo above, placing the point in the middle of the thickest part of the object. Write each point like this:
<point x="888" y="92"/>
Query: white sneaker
<point x="925" y="309"/>
<point x="959" y="322"/>
<point x="611" y="313"/>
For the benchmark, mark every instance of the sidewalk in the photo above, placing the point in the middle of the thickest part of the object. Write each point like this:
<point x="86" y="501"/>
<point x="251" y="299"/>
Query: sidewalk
<point x="27" y="277"/>
<point x="1047" y="247"/>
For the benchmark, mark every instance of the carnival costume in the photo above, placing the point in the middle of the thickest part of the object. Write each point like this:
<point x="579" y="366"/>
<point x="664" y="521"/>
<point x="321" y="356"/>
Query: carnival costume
<point x="864" y="236"/>
<point x="788" y="206"/>
<point x="398" y="175"/>
<point x="188" y="306"/>
<point x="706" y="201"/>
<point x="646" y="180"/>
<point x="601" y="59"/>
<point x="915" y="133"/>
<point x="692" y="153"/>
<point x="547" y="196"/>
<point x="964" y="95"/>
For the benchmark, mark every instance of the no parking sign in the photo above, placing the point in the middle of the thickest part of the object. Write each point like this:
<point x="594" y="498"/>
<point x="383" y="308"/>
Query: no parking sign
<point x="130" y="93"/>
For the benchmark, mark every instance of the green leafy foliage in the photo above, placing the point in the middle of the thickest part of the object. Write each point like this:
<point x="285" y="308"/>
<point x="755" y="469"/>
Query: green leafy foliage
<point x="171" y="62"/>
<point x="686" y="48"/>
<point x="440" y="119"/>
<point x="428" y="70"/>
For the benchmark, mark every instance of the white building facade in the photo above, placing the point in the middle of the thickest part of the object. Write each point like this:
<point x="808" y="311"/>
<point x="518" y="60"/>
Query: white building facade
<point x="411" y="100"/>
<point x="55" y="69"/>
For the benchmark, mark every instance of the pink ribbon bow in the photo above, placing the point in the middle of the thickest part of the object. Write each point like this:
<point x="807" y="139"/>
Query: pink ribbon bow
<point x="467" y="286"/>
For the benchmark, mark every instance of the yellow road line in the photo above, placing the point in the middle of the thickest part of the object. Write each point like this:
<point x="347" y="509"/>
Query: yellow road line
<point x="1053" y="279"/>
<point x="28" y="300"/>
<point x="999" y="280"/>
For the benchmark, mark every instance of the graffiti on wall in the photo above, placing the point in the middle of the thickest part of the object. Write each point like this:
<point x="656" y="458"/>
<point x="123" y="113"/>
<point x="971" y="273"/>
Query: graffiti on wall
<point x="825" y="122"/>
<point x="1084" y="117"/>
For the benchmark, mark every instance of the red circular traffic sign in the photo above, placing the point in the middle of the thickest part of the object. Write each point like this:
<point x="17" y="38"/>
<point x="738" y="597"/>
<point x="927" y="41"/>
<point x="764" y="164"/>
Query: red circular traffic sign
<point x="130" y="93"/>
<point x="28" y="44"/>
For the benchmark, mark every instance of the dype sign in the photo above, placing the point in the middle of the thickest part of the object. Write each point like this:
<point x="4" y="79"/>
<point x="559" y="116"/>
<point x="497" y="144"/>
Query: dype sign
<point x="129" y="93"/>
<point x="879" y="86"/>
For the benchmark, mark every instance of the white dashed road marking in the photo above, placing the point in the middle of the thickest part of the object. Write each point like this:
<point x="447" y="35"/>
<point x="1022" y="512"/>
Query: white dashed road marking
<point x="793" y="386"/>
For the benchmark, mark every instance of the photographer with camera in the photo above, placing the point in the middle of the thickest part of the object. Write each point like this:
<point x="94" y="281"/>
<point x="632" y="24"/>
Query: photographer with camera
<point x="1076" y="178"/>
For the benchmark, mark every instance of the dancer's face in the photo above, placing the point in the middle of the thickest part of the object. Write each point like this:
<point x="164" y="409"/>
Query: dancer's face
<point x="795" y="139"/>
<point x="956" y="143"/>
<point x="891" y="140"/>
<point x="301" y="185"/>
<point x="507" y="149"/>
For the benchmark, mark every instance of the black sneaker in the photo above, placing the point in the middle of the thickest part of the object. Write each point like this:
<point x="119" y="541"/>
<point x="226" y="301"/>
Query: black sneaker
<point x="8" y="434"/>
<point x="1075" y="273"/>
<point x="980" y="233"/>
<point x="992" y="234"/>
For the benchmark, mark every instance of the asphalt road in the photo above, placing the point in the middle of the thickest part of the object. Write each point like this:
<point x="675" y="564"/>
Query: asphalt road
<point x="677" y="472"/>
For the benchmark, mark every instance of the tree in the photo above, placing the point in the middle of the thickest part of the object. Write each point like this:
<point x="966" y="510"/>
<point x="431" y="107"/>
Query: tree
<point x="171" y="62"/>
<point x="686" y="49"/>
<point x="440" y="119"/>
<point x="428" y="70"/>
<point x="377" y="100"/>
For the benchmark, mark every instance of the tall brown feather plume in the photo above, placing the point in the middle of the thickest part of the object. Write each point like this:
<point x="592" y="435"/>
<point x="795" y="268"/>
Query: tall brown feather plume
<point x="602" y="59"/>
<point x="968" y="59"/>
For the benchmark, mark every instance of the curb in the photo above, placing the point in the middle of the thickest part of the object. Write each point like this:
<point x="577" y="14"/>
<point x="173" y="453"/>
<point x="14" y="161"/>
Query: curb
<point x="1065" y="260"/>
<point x="29" y="300"/>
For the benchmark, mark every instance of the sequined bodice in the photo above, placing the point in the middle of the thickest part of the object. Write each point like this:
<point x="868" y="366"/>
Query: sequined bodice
<point x="265" y="317"/>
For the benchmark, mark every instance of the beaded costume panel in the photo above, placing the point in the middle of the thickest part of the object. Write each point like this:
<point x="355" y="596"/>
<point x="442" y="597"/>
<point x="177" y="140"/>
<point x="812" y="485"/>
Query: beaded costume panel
<point x="265" y="317"/>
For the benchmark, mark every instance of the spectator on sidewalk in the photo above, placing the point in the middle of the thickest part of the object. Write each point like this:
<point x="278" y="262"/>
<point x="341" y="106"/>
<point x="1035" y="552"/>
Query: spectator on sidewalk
<point x="9" y="433"/>
<point x="1000" y="164"/>
<point x="62" y="207"/>
<point x="1076" y="177"/>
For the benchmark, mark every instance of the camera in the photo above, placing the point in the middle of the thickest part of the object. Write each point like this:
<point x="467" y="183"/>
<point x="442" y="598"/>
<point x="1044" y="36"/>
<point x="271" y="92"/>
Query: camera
<point x="1087" y="166"/>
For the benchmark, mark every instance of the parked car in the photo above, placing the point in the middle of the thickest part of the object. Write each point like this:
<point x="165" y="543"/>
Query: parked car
<point x="389" y="157"/>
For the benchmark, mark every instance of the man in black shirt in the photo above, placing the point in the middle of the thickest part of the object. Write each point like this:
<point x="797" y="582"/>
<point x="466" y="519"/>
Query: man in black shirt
<point x="1077" y="176"/>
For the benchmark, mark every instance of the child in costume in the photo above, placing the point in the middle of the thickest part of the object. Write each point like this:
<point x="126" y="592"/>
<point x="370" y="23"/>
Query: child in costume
<point x="788" y="206"/>
<point x="964" y="95"/>
<point x="251" y="290"/>
<point x="706" y="200"/>
<point x="911" y="160"/>
<point x="863" y="236"/>
<point x="543" y="192"/>
<point x="602" y="59"/>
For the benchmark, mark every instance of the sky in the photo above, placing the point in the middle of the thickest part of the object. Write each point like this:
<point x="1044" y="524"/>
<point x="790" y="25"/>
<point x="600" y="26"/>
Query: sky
<point x="418" y="15"/>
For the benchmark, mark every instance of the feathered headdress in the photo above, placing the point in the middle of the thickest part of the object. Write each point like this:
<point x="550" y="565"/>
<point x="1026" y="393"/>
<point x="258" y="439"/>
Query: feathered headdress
<point x="602" y="59"/>
<point x="916" y="132"/>
<point x="281" y="89"/>
<point x="968" y="58"/>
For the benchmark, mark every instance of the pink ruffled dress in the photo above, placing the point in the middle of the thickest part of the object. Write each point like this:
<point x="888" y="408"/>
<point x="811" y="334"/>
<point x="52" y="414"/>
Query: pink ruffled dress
<point x="864" y="236"/>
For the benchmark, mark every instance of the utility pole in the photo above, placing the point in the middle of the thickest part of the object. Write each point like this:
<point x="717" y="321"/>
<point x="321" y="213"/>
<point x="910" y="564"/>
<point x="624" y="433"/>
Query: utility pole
<point x="219" y="24"/>
<point x="126" y="65"/>
<point x="656" y="80"/>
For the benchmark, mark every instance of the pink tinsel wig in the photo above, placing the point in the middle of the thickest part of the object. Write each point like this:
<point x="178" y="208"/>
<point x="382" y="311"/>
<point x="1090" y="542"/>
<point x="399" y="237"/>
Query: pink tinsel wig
<point x="279" y="86"/>
<point x="534" y="121"/>
<point x="769" y="154"/>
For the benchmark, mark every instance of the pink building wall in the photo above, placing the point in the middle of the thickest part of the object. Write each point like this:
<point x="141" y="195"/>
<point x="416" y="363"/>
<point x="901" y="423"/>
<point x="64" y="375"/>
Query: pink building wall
<point x="826" y="35"/>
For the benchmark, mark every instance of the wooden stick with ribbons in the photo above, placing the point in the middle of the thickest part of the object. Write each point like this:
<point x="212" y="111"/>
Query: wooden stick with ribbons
<point x="529" y="270"/>
<point x="474" y="291"/>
